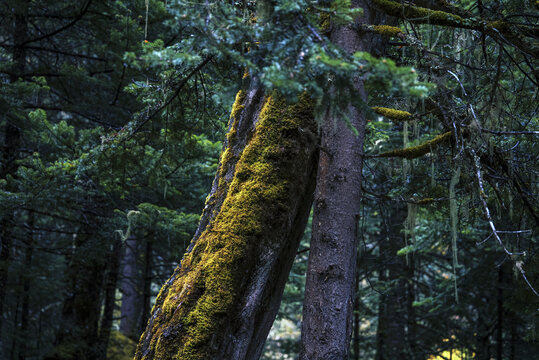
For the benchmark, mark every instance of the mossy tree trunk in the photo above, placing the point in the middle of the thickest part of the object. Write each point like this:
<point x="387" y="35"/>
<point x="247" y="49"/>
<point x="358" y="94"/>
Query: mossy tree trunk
<point x="329" y="289"/>
<point x="221" y="302"/>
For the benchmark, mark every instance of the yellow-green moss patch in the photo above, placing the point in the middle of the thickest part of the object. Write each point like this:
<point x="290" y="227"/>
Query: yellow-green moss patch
<point x="393" y="114"/>
<point x="205" y="291"/>
<point x="419" y="150"/>
<point x="421" y="15"/>
<point x="120" y="347"/>
<point x="387" y="30"/>
<point x="424" y="201"/>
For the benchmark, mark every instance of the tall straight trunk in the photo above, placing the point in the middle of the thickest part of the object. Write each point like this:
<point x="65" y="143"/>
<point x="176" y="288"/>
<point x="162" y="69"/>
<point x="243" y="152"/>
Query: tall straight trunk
<point x="390" y="336"/>
<point x="27" y="277"/>
<point x="411" y="318"/>
<point x="10" y="148"/>
<point x="130" y="288"/>
<point x="329" y="288"/>
<point x="113" y="265"/>
<point x="221" y="302"/>
<point x="77" y="336"/>
<point x="147" y="285"/>
<point x="500" y="320"/>
<point x="15" y="335"/>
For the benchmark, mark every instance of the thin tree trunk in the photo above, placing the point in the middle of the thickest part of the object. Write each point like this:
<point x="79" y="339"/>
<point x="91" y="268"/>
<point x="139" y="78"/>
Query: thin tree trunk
<point x="411" y="318"/>
<point x="110" y="297"/>
<point x="77" y="337"/>
<point x="391" y="339"/>
<point x="499" y="325"/>
<point x="27" y="277"/>
<point x="147" y="286"/>
<point x="10" y="149"/>
<point x="329" y="289"/>
<point x="15" y="335"/>
<point x="221" y="302"/>
<point x="130" y="308"/>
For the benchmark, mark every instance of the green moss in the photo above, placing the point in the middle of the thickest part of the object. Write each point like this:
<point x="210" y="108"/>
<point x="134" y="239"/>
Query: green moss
<point x="120" y="347"/>
<point x="421" y="15"/>
<point x="237" y="108"/>
<point x="499" y="25"/>
<point x="424" y="201"/>
<point x="325" y="21"/>
<point x="395" y="115"/>
<point x="387" y="30"/>
<point x="419" y="150"/>
<point x="212" y="276"/>
<point x="227" y="154"/>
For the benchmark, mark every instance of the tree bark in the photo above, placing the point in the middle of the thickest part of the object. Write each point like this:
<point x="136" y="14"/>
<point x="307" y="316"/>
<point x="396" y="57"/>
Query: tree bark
<point x="110" y="297"/>
<point x="77" y="338"/>
<point x="500" y="311"/>
<point x="329" y="288"/>
<point x="10" y="148"/>
<point x="147" y="285"/>
<point x="221" y="302"/>
<point x="390" y="335"/>
<point x="26" y="283"/>
<point x="130" y="308"/>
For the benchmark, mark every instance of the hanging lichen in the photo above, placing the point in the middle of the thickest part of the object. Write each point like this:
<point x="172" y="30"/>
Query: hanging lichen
<point x="419" y="150"/>
<point x="454" y="219"/>
<point x="131" y="217"/>
<point x="409" y="228"/>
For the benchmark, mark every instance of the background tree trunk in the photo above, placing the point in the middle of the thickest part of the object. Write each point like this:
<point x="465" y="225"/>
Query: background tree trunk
<point x="77" y="337"/>
<point x="221" y="302"/>
<point x="390" y="335"/>
<point x="10" y="149"/>
<point x="130" y="288"/>
<point x="147" y="284"/>
<point x="111" y="279"/>
<point x="329" y="288"/>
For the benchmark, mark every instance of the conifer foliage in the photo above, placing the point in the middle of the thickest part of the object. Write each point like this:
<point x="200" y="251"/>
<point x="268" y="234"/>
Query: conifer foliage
<point x="140" y="139"/>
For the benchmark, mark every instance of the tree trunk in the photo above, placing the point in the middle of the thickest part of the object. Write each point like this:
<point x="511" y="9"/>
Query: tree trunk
<point x="77" y="337"/>
<point x="10" y="148"/>
<point x="500" y="320"/>
<point x="356" y="338"/>
<point x="147" y="285"/>
<point x="390" y="335"/>
<point x="110" y="297"/>
<point x="329" y="288"/>
<point x="130" y="308"/>
<point x="26" y="282"/>
<point x="221" y="302"/>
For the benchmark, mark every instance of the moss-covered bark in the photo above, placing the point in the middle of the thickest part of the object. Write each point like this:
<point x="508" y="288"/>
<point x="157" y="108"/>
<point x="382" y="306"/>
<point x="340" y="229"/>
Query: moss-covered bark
<point x="521" y="36"/>
<point x="393" y="114"/>
<point x="413" y="152"/>
<point x="220" y="303"/>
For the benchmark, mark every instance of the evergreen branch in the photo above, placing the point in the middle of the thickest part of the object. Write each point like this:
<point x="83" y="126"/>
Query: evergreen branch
<point x="413" y="152"/>
<point x="62" y="28"/>
<point x="498" y="29"/>
<point x="182" y="83"/>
